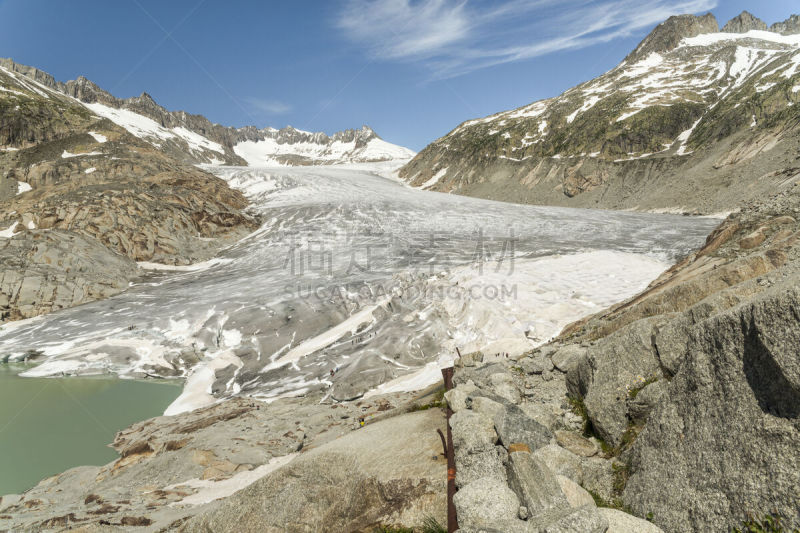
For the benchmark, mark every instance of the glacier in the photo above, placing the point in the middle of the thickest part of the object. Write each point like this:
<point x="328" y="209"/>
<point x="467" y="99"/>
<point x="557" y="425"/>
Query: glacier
<point x="356" y="283"/>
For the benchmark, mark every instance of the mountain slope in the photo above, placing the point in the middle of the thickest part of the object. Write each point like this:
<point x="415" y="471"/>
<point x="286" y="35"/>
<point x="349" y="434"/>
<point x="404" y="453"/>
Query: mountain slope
<point x="82" y="200"/>
<point x="692" y="120"/>
<point x="194" y="139"/>
<point x="119" y="178"/>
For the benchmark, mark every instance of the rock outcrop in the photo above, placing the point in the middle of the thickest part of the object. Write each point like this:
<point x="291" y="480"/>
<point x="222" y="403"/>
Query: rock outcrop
<point x="385" y="474"/>
<point x="790" y="26"/>
<point x="694" y="383"/>
<point x="723" y="440"/>
<point x="743" y="23"/>
<point x="668" y="34"/>
<point x="45" y="271"/>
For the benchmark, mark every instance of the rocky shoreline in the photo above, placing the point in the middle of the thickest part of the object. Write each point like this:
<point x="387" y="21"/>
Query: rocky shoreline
<point x="298" y="463"/>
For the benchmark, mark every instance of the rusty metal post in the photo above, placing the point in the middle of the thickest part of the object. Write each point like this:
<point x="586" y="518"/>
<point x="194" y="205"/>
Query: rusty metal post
<point x="444" y="442"/>
<point x="452" y="520"/>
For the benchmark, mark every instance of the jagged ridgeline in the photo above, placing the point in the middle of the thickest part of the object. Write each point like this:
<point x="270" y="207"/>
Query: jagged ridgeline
<point x="694" y="119"/>
<point x="194" y="139"/>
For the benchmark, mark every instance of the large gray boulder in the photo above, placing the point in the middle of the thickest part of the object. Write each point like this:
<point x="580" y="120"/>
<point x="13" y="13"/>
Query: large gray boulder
<point x="608" y="371"/>
<point x="576" y="495"/>
<point x="485" y="502"/>
<point x="535" y="484"/>
<point x="619" y="522"/>
<point x="724" y="441"/>
<point x="457" y="397"/>
<point x="586" y="519"/>
<point x="483" y="464"/>
<point x="514" y="426"/>
<point x="472" y="432"/>
<point x="536" y="363"/>
<point x="560" y="461"/>
<point x="566" y="356"/>
<point x="502" y="385"/>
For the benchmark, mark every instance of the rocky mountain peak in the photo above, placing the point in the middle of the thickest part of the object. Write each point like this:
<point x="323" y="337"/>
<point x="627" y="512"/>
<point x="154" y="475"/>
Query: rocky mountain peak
<point x="667" y="35"/>
<point x="790" y="26"/>
<point x="33" y="73"/>
<point x="85" y="90"/>
<point x="743" y="23"/>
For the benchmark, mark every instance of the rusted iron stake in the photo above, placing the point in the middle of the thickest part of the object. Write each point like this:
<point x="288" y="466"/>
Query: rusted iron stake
<point x="444" y="442"/>
<point x="452" y="520"/>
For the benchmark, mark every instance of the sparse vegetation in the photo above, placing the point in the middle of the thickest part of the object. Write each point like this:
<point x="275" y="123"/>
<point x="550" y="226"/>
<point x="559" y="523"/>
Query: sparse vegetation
<point x="628" y="438"/>
<point x="615" y="503"/>
<point x="429" y="525"/>
<point x="639" y="387"/>
<point x="771" y="523"/>
<point x="622" y="472"/>
<point x="437" y="401"/>
<point x="579" y="408"/>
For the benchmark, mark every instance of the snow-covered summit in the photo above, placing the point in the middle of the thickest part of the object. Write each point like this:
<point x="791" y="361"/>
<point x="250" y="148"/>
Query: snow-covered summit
<point x="290" y="146"/>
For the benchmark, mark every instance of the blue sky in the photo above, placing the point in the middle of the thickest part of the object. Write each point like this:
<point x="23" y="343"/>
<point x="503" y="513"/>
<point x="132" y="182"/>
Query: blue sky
<point x="411" y="69"/>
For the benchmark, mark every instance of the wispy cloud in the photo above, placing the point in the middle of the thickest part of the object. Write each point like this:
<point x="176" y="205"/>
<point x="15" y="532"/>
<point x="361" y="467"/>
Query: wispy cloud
<point x="454" y="37"/>
<point x="271" y="107"/>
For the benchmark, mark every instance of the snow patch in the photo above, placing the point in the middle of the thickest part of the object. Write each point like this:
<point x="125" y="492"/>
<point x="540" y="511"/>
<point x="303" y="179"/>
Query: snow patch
<point x="683" y="138"/>
<point x="627" y="115"/>
<point x="709" y="39"/>
<point x="184" y="268"/>
<point x="434" y="179"/>
<point x="23" y="187"/>
<point x="213" y="490"/>
<point x="9" y="232"/>
<point x="196" y="141"/>
<point x="67" y="155"/>
<point x="644" y="66"/>
<point x="99" y="137"/>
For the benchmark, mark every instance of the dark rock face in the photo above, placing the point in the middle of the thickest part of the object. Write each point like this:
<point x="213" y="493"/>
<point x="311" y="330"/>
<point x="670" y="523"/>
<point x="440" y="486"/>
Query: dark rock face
<point x="723" y="441"/>
<point x="743" y="23"/>
<point x="790" y="26"/>
<point x="668" y="34"/>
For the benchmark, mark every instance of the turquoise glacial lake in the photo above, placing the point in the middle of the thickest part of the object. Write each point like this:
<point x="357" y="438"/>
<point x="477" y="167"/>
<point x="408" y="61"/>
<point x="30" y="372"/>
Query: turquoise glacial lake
<point x="48" y="425"/>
